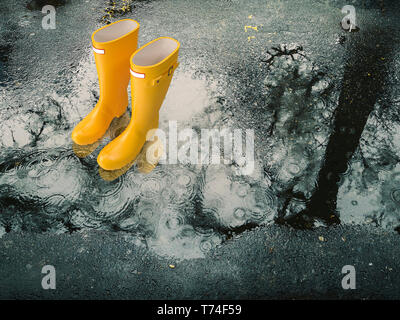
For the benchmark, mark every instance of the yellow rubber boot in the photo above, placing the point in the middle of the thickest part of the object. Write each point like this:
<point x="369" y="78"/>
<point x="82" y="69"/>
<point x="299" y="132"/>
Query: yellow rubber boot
<point x="113" y="45"/>
<point x="152" y="68"/>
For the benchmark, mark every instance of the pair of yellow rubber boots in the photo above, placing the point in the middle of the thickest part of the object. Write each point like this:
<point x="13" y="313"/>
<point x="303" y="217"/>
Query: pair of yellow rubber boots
<point x="150" y="69"/>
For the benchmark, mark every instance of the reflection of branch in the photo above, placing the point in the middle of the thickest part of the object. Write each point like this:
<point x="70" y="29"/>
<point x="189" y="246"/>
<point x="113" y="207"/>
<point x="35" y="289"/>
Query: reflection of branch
<point x="283" y="51"/>
<point x="36" y="135"/>
<point x="317" y="77"/>
<point x="12" y="137"/>
<point x="290" y="195"/>
<point x="273" y="124"/>
<point x="364" y="161"/>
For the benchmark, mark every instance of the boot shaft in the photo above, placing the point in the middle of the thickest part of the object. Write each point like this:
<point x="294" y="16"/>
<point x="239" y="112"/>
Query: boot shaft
<point x="112" y="47"/>
<point x="152" y="68"/>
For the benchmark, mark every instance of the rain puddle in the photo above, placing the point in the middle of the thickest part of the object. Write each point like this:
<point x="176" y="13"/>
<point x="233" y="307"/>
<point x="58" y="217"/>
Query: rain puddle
<point x="278" y="84"/>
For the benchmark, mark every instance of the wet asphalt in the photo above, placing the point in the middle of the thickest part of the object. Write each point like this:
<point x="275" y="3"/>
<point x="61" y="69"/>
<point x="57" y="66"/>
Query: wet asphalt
<point x="268" y="263"/>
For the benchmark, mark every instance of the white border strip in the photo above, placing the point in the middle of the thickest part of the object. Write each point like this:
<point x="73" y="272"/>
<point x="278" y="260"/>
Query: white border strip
<point x="137" y="75"/>
<point x="99" y="51"/>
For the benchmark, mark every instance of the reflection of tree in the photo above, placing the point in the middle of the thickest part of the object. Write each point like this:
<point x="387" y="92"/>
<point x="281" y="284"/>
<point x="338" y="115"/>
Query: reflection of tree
<point x="307" y="132"/>
<point x="290" y="102"/>
<point x="362" y="84"/>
